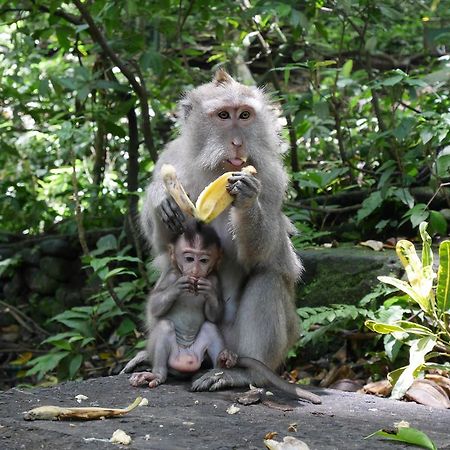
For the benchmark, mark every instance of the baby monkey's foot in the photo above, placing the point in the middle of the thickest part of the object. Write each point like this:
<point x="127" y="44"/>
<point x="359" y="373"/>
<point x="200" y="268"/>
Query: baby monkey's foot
<point x="227" y="359"/>
<point x="142" y="378"/>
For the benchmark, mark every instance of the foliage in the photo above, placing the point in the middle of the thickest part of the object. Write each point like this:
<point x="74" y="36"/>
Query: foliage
<point x="427" y="331"/>
<point x="107" y="323"/>
<point x="408" y="435"/>
<point x="88" y="93"/>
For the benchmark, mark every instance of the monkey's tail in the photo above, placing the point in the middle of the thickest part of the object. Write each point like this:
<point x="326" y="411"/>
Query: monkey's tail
<point x="289" y="388"/>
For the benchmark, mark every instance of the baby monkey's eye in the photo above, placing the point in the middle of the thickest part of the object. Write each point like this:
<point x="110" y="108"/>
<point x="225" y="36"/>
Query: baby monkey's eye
<point x="244" y="115"/>
<point x="189" y="259"/>
<point x="224" y="114"/>
<point x="204" y="260"/>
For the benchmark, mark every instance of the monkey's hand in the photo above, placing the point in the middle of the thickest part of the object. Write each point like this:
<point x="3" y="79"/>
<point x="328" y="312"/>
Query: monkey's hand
<point x="207" y="288"/>
<point x="245" y="189"/>
<point x="227" y="359"/>
<point x="186" y="284"/>
<point x="171" y="215"/>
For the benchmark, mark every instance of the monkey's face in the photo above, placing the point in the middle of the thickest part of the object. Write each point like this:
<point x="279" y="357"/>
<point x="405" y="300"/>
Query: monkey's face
<point x="193" y="259"/>
<point x="229" y="125"/>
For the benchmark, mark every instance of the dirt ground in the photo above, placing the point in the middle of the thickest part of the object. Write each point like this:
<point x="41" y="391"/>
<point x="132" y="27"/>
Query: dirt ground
<point x="176" y="418"/>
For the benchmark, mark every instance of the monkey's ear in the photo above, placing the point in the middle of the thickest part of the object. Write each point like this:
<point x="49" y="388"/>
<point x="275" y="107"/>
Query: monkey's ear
<point x="185" y="107"/>
<point x="222" y="77"/>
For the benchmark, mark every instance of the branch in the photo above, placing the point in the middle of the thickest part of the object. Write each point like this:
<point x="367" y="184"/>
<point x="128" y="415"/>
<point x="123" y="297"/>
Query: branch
<point x="138" y="88"/>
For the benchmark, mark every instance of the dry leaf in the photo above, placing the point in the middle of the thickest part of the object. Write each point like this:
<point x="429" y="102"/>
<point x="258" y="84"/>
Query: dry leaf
<point x="250" y="397"/>
<point x="337" y="373"/>
<point x="80" y="397"/>
<point x="347" y="385"/>
<point x="233" y="409"/>
<point x="381" y="388"/>
<point x="443" y="382"/>
<point x="428" y="393"/>
<point x="270" y="435"/>
<point x="277" y="406"/>
<point x="292" y="428"/>
<point x="374" y="245"/>
<point x="289" y="443"/>
<point x="120" y="437"/>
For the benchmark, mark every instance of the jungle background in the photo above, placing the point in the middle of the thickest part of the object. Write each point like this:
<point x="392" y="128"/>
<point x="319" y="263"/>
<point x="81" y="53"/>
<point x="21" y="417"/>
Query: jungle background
<point x="88" y="98"/>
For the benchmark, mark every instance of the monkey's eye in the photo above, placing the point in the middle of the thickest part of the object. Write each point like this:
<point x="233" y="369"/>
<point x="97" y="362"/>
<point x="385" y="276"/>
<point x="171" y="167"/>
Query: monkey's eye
<point x="189" y="259"/>
<point x="204" y="260"/>
<point x="224" y="115"/>
<point x="244" y="115"/>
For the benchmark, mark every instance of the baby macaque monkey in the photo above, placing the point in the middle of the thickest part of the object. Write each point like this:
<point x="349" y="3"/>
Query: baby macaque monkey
<point x="186" y="304"/>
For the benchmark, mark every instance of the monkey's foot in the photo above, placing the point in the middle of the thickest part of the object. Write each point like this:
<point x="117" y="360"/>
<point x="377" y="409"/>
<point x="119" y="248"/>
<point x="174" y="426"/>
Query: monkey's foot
<point x="140" y="358"/>
<point x="142" y="378"/>
<point x="227" y="359"/>
<point x="215" y="380"/>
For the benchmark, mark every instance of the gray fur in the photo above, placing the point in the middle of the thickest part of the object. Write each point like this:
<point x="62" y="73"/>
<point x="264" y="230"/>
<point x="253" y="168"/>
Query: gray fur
<point x="259" y="269"/>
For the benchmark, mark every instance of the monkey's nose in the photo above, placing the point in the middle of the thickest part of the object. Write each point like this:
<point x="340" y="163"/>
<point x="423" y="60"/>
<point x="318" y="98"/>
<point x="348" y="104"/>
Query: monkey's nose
<point x="236" y="142"/>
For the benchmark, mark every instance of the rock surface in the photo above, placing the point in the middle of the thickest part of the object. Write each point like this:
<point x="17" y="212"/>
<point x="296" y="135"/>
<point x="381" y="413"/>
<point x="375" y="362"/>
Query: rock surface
<point x="178" y="419"/>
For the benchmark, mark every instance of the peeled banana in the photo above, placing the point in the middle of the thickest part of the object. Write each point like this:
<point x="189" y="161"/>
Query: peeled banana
<point x="211" y="202"/>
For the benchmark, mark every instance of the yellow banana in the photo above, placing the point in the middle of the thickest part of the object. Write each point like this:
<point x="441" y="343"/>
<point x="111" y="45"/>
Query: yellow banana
<point x="213" y="200"/>
<point x="176" y="190"/>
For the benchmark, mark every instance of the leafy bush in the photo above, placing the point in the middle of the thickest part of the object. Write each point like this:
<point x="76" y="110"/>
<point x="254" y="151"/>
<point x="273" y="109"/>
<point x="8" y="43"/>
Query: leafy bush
<point x="427" y="330"/>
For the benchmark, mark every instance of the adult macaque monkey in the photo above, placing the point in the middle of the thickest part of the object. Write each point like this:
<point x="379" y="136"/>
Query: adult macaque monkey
<point x="224" y="127"/>
<point x="186" y="305"/>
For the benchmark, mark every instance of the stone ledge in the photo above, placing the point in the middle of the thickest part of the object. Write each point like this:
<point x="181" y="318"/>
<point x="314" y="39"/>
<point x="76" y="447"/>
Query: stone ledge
<point x="178" y="419"/>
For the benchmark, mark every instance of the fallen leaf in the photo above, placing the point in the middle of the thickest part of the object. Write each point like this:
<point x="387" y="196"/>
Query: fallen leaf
<point x="277" y="406"/>
<point x="144" y="402"/>
<point x="233" y="409"/>
<point x="443" y="382"/>
<point x="250" y="397"/>
<point x="374" y="245"/>
<point x="270" y="435"/>
<point x="120" y="437"/>
<point x="408" y="435"/>
<point x="428" y="393"/>
<point x="337" y="373"/>
<point x="289" y="443"/>
<point x="381" y="388"/>
<point x="292" y="427"/>
<point x="347" y="385"/>
<point x="80" y="397"/>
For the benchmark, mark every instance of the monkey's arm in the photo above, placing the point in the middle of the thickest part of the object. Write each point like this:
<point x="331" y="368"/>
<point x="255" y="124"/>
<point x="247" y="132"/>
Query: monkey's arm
<point x="166" y="291"/>
<point x="257" y="220"/>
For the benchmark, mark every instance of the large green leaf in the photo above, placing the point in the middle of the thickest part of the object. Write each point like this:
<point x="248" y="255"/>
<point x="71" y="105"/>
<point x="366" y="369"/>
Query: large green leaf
<point x="408" y="435"/>
<point x="383" y="328"/>
<point x="419" y="348"/>
<point x="443" y="284"/>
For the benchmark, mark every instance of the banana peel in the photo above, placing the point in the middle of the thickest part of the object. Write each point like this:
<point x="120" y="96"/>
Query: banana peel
<point x="212" y="201"/>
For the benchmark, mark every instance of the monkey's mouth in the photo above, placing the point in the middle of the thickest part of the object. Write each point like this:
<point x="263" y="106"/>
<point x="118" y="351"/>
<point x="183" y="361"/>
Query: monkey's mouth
<point x="237" y="163"/>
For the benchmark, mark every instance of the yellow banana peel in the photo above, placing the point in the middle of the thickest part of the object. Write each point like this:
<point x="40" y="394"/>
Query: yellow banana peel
<point x="212" y="201"/>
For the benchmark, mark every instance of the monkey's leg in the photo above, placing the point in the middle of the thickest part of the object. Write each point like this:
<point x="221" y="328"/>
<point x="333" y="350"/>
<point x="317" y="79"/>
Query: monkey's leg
<point x="209" y="340"/>
<point x="265" y="327"/>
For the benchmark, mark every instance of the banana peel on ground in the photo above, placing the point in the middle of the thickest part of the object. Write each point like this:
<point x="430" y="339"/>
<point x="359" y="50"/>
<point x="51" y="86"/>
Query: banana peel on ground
<point x="212" y="201"/>
<point x="49" y="412"/>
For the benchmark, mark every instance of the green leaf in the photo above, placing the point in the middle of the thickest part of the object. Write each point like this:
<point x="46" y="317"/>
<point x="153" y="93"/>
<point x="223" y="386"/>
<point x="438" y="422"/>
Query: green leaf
<point x="419" y="348"/>
<point x="403" y="130"/>
<point x="382" y="328"/>
<point x="347" y="68"/>
<point x="443" y="283"/>
<point x="74" y="365"/>
<point x="43" y="364"/>
<point x="126" y="327"/>
<point x="427" y="253"/>
<point x="438" y="223"/>
<point x="369" y="205"/>
<point x="408" y="435"/>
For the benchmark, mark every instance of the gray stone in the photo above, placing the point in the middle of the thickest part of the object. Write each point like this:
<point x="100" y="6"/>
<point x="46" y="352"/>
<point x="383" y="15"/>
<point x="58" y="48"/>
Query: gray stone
<point x="30" y="256"/>
<point x="58" y="247"/>
<point x="343" y="275"/>
<point x="58" y="268"/>
<point x="13" y="288"/>
<point x="176" y="418"/>
<point x="40" y="282"/>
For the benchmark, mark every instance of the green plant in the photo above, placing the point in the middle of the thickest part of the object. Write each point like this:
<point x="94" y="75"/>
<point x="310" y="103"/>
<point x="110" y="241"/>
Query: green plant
<point x="95" y="332"/>
<point x="427" y="330"/>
